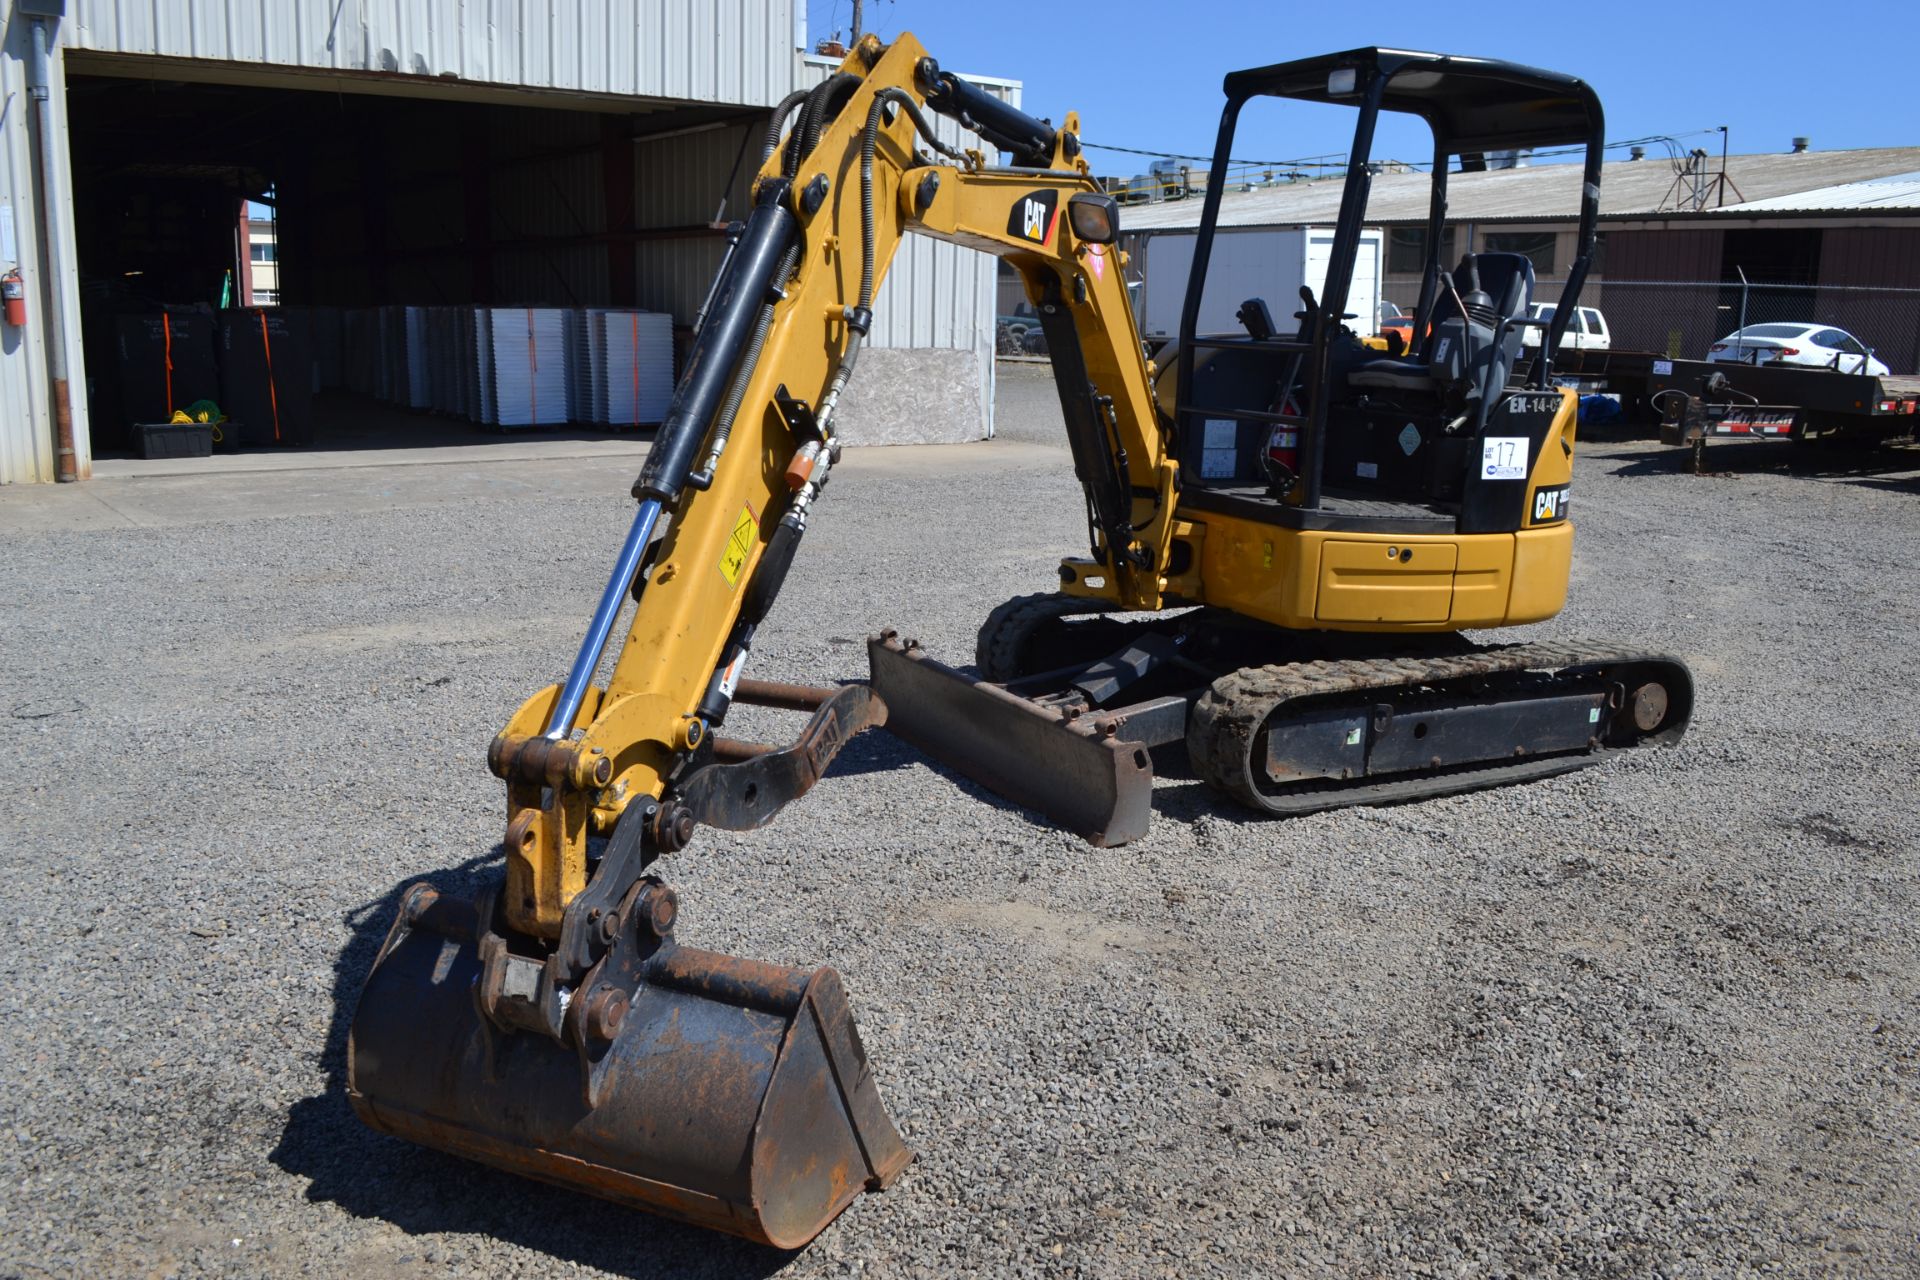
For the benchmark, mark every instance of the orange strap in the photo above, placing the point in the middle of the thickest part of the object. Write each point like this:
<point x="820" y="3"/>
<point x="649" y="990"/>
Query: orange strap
<point x="533" y="371"/>
<point x="635" y="360"/>
<point x="273" y="392"/>
<point x="166" y="327"/>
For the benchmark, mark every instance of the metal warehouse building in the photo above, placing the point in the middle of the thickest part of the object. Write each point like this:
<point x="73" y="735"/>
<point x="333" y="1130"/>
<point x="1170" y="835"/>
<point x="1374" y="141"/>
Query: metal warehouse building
<point x="418" y="154"/>
<point x="1827" y="235"/>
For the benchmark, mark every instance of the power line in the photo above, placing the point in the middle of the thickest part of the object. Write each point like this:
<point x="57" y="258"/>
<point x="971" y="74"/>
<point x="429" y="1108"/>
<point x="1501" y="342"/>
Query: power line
<point x="1332" y="157"/>
<point x="1336" y="159"/>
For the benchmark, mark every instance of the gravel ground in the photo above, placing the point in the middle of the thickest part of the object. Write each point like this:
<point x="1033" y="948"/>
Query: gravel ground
<point x="1656" y="1018"/>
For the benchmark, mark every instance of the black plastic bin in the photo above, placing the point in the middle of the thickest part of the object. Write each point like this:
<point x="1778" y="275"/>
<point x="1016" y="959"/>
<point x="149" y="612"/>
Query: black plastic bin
<point x="173" y="439"/>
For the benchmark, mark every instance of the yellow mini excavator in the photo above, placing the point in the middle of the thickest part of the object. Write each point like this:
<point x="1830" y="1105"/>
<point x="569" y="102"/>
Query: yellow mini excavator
<point x="1288" y="534"/>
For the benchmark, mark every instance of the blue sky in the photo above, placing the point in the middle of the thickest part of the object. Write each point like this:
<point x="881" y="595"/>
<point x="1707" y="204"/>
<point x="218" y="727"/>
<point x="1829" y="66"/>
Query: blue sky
<point x="1148" y="75"/>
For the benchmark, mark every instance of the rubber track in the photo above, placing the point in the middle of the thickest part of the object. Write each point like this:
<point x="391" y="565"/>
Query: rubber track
<point x="1223" y="730"/>
<point x="998" y="648"/>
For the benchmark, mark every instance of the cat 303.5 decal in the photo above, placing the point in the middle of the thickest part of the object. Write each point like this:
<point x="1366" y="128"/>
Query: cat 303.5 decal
<point x="1549" y="505"/>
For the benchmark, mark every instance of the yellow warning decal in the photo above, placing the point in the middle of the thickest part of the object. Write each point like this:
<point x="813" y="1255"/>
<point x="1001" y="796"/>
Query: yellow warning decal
<point x="746" y="530"/>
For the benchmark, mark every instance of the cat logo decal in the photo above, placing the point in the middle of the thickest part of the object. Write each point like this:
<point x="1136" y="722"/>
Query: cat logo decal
<point x="1033" y="217"/>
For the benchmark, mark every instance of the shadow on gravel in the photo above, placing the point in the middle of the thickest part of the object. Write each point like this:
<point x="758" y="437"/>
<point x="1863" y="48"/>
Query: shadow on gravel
<point x="1631" y="430"/>
<point x="877" y="751"/>
<point x="1849" y="464"/>
<point x="1179" y="796"/>
<point x="427" y="1192"/>
<point x="1900" y="484"/>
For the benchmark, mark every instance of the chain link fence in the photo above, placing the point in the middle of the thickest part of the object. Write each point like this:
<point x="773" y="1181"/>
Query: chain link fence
<point x="1685" y="318"/>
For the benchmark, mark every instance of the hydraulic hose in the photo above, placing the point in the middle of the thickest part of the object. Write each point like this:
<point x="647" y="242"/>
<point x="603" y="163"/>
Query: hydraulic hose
<point x="815" y="112"/>
<point x="860" y="318"/>
<point x="777" y="125"/>
<point x="817" y="108"/>
<point x="737" y="390"/>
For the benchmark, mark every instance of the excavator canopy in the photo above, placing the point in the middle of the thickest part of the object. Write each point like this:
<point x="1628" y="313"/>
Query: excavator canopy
<point x="1472" y="104"/>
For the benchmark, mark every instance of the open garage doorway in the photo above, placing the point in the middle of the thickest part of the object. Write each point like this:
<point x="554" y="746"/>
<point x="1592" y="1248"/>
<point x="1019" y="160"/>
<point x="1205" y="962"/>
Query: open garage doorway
<point x="442" y="271"/>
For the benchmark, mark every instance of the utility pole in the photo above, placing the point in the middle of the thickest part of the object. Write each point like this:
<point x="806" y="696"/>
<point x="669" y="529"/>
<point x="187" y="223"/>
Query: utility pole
<point x="857" y="6"/>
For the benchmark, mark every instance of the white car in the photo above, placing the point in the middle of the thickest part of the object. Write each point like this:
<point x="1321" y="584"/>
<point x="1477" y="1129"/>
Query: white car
<point x="1821" y="346"/>
<point x="1588" y="329"/>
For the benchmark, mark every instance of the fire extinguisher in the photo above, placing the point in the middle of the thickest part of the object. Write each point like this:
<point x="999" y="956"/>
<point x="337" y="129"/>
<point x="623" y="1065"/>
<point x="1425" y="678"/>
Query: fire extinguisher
<point x="14" y="291"/>
<point x="1283" y="447"/>
<point x="1282" y="462"/>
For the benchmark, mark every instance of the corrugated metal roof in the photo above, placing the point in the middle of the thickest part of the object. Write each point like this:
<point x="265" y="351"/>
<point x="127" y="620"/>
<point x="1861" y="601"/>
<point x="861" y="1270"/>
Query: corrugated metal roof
<point x="1547" y="191"/>
<point x="1901" y="192"/>
<point x="732" y="51"/>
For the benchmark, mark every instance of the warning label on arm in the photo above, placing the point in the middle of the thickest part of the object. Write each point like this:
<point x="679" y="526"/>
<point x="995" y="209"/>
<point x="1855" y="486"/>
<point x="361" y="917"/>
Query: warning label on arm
<point x="733" y="560"/>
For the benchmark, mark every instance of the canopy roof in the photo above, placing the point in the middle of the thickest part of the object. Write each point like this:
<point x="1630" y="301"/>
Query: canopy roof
<point x="1472" y="104"/>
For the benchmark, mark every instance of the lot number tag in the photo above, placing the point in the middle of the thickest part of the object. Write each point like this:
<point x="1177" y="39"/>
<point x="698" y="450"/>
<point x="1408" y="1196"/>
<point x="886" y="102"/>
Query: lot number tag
<point x="1503" y="458"/>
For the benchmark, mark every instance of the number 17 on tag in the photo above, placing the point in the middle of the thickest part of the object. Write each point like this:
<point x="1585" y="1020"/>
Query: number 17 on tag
<point x="1503" y="458"/>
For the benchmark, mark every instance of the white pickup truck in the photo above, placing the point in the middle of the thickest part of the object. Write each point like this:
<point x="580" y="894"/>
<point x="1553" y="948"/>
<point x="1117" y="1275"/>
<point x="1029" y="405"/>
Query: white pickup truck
<point x="1588" y="329"/>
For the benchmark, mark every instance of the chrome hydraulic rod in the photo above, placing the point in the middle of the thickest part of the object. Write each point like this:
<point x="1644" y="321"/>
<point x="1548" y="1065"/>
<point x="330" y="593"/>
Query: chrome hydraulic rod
<point x="574" y="691"/>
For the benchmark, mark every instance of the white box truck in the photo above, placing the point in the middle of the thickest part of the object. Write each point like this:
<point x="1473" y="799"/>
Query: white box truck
<point x="1251" y="262"/>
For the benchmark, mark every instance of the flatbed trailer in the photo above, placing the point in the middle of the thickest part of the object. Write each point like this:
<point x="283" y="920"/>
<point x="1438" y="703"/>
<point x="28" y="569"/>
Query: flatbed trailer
<point x="1695" y="400"/>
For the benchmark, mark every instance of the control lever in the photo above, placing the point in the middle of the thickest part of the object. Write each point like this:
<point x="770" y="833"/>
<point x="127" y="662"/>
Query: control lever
<point x="1307" y="304"/>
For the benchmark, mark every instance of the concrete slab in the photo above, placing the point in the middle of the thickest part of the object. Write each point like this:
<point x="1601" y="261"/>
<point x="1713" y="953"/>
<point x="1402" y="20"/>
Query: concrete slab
<point x="264" y="486"/>
<point x="920" y="396"/>
<point x="531" y="448"/>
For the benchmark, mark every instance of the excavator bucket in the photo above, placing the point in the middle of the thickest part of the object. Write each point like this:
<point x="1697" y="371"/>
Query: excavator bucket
<point x="722" y="1092"/>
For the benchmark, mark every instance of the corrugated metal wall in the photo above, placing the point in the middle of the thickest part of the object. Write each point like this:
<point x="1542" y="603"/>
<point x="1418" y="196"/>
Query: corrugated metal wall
<point x="1870" y="278"/>
<point x="680" y="181"/>
<point x="1887" y="257"/>
<point x="536" y="196"/>
<point x="735" y="51"/>
<point x="1677" y="253"/>
<point x="26" y="423"/>
<point x="935" y="295"/>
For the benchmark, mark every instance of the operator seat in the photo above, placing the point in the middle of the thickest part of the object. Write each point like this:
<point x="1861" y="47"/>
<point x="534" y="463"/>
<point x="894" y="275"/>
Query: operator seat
<point x="1494" y="288"/>
<point x="1465" y="347"/>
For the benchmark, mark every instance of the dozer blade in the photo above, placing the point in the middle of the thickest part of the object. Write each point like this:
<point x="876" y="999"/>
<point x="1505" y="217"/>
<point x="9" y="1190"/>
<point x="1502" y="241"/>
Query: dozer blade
<point x="722" y="1092"/>
<point x="1076" y="773"/>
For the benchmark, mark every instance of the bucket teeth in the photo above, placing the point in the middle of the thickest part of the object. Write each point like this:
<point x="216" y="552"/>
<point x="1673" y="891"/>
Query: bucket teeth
<point x="723" y="1092"/>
